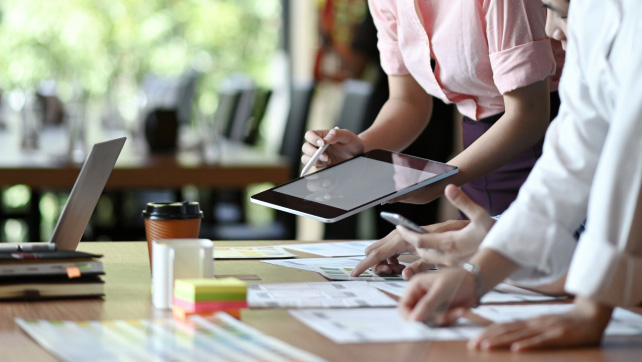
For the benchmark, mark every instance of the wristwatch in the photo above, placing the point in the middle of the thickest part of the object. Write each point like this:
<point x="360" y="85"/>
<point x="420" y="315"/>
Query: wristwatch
<point x="479" y="288"/>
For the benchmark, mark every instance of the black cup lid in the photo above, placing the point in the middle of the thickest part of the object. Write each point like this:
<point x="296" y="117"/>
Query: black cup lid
<point x="172" y="210"/>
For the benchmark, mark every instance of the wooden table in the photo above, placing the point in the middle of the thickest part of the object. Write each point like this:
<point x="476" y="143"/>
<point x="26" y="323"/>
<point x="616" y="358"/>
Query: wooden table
<point x="50" y="167"/>
<point x="128" y="296"/>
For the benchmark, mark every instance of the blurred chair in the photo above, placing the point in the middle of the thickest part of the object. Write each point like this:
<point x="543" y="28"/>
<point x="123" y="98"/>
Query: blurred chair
<point x="296" y="125"/>
<point x="252" y="126"/>
<point x="241" y="108"/>
<point x="235" y="104"/>
<point x="186" y="94"/>
<point x="284" y="225"/>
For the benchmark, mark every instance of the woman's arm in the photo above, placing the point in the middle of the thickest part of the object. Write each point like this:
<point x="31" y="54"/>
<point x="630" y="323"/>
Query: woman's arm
<point x="402" y="118"/>
<point x="523" y="124"/>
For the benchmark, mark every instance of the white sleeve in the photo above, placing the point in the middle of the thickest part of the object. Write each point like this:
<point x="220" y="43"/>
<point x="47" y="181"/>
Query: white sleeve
<point x="608" y="263"/>
<point x="536" y="231"/>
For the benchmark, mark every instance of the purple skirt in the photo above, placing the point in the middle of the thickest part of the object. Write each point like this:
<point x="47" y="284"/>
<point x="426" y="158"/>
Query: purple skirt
<point x="498" y="189"/>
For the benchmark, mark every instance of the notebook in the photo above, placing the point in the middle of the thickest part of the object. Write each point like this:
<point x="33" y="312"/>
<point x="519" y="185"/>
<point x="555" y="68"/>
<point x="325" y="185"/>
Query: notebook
<point x="82" y="200"/>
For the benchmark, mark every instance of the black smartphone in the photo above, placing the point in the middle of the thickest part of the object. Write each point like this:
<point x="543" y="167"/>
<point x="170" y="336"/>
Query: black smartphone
<point x="397" y="219"/>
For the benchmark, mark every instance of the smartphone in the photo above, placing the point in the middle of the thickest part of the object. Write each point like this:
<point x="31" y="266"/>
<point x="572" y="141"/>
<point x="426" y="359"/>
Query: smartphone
<point x="397" y="219"/>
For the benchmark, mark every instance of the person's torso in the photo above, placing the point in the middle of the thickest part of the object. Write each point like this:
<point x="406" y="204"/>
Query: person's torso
<point x="454" y="34"/>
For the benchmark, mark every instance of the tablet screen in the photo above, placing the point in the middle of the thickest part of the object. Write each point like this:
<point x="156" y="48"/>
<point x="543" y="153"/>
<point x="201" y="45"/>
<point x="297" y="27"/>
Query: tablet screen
<point x="346" y="188"/>
<point x="333" y="188"/>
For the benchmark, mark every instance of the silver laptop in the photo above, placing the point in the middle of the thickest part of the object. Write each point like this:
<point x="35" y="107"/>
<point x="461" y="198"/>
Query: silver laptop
<point x="82" y="200"/>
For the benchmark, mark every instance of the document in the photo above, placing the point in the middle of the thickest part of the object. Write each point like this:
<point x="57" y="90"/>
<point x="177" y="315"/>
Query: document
<point x="623" y="322"/>
<point x="379" y="325"/>
<point x="316" y="295"/>
<point x="498" y="295"/>
<point x="337" y="249"/>
<point x="343" y="273"/>
<point x="252" y="252"/>
<point x="311" y="264"/>
<point x="215" y="338"/>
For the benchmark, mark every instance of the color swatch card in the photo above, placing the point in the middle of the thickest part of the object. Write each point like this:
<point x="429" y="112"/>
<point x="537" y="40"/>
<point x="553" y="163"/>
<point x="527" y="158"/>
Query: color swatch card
<point x="379" y="325"/>
<point x="343" y="273"/>
<point x="216" y="338"/>
<point x="344" y="248"/>
<point x="252" y="252"/>
<point x="316" y="295"/>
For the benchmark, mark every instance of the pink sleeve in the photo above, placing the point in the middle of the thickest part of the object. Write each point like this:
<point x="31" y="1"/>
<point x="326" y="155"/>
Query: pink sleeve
<point x="384" y="14"/>
<point x="520" y="52"/>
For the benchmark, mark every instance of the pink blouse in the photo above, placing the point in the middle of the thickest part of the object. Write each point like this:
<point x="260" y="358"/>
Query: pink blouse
<point x="482" y="48"/>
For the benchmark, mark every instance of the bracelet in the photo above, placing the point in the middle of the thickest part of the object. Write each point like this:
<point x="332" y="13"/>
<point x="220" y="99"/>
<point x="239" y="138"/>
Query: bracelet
<point x="479" y="288"/>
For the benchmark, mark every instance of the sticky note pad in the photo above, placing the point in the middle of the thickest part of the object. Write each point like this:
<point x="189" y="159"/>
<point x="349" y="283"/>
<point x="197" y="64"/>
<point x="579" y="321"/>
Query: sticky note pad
<point x="181" y="313"/>
<point x="205" y="306"/>
<point x="227" y="289"/>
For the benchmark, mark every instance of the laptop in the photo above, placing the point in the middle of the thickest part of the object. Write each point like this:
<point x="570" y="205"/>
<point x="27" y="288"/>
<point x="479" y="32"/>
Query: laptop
<point x="82" y="200"/>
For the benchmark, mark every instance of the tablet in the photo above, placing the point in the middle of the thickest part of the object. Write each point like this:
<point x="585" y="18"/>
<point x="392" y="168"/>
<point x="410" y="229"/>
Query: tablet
<point x="351" y="186"/>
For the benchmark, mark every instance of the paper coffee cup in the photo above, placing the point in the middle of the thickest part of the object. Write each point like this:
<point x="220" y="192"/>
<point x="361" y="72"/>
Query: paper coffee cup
<point x="171" y="220"/>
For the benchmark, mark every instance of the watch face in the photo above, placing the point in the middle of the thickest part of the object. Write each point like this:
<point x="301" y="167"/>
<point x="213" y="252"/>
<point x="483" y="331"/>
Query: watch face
<point x="470" y="268"/>
<point x="479" y="288"/>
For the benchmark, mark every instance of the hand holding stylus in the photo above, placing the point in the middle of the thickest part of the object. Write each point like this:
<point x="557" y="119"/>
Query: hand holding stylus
<point x="345" y="144"/>
<point x="315" y="157"/>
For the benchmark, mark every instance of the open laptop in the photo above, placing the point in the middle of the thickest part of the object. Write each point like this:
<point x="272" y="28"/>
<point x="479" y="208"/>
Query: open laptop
<point x="82" y="200"/>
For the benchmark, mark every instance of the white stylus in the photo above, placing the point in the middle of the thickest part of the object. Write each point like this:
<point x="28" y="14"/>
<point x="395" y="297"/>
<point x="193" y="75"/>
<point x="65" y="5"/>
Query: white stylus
<point x="315" y="157"/>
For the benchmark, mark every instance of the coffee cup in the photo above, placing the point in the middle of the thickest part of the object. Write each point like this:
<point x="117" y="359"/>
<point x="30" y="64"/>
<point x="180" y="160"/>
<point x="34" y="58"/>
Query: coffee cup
<point x="171" y="220"/>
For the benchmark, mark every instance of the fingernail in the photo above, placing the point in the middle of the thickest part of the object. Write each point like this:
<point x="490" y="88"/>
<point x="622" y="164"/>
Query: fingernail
<point x="407" y="274"/>
<point x="323" y="158"/>
<point x="485" y="346"/>
<point x="320" y="142"/>
<point x="453" y="192"/>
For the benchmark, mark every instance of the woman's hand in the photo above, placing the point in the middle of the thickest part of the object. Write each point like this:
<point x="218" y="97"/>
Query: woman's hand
<point x="382" y="256"/>
<point x="582" y="326"/>
<point x="450" y="247"/>
<point x="439" y="298"/>
<point x="344" y="144"/>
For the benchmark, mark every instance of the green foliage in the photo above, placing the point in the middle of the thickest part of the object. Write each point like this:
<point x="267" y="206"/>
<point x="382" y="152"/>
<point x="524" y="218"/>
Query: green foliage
<point x="94" y="43"/>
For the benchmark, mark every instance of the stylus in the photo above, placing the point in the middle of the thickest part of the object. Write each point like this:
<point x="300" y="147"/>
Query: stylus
<point x="315" y="158"/>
